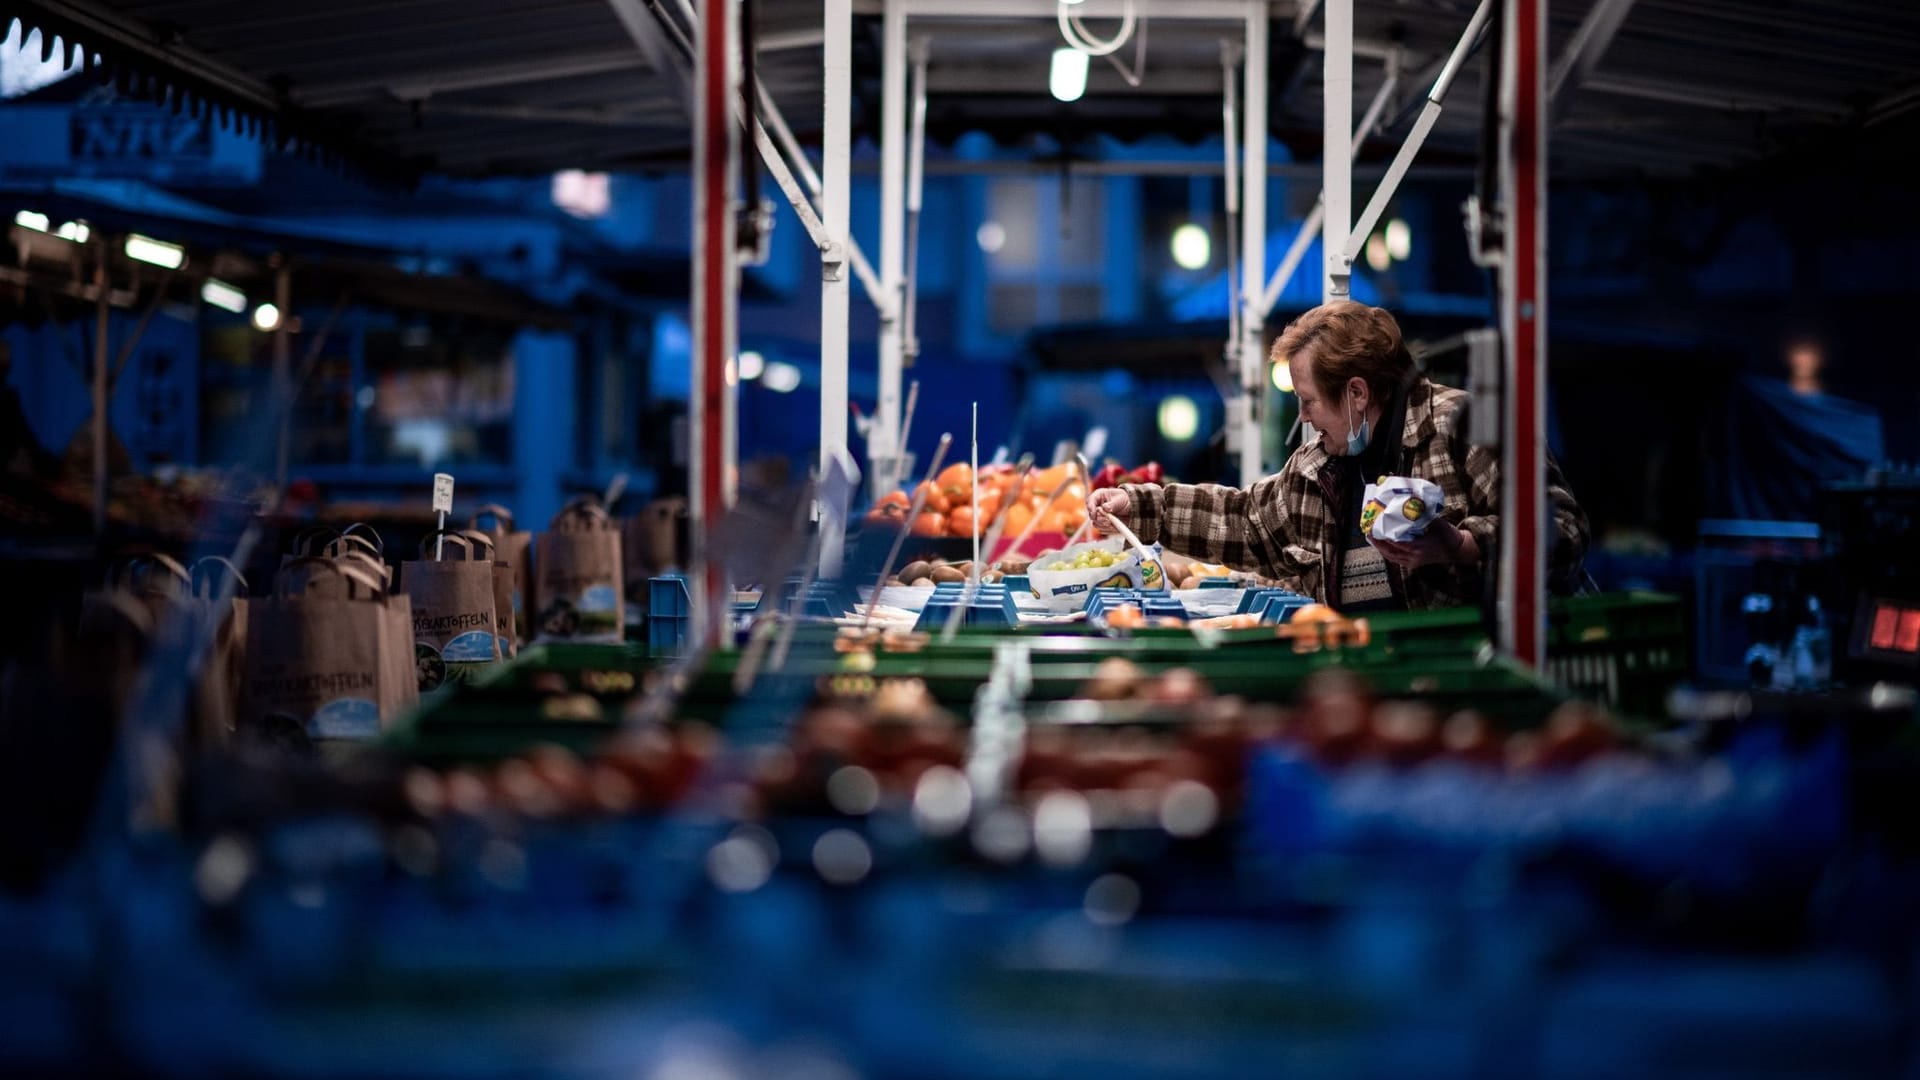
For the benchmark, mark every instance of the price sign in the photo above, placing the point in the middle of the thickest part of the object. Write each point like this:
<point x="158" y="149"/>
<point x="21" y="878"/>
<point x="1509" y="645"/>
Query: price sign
<point x="442" y="493"/>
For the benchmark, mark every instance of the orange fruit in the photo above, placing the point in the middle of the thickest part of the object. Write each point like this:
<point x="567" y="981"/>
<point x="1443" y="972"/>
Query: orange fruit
<point x="937" y="500"/>
<point x="1018" y="515"/>
<point x="893" y="498"/>
<point x="960" y="522"/>
<point x="930" y="523"/>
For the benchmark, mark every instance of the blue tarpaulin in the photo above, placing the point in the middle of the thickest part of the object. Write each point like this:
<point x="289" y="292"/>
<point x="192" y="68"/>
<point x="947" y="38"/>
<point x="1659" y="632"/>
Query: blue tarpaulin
<point x="1776" y="447"/>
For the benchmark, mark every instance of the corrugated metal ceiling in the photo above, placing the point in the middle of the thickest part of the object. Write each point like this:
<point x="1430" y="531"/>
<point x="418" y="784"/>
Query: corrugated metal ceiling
<point x="477" y="87"/>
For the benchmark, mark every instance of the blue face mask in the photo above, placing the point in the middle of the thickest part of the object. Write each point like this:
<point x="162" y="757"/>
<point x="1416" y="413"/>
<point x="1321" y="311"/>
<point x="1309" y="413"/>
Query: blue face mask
<point x="1357" y="437"/>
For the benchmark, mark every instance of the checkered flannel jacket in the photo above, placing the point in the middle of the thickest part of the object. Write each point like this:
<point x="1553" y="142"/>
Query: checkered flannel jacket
<point x="1283" y="527"/>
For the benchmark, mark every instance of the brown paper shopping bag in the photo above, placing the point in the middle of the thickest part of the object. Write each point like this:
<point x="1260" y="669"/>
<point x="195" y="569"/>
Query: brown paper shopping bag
<point x="221" y="614"/>
<point x="321" y="652"/>
<point x="455" y="632"/>
<point x="577" y="592"/>
<point x="515" y="548"/>
<point x="505" y="586"/>
<point x="651" y="544"/>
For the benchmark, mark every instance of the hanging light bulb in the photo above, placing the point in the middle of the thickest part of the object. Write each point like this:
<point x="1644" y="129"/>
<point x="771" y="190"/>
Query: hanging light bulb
<point x="1068" y="79"/>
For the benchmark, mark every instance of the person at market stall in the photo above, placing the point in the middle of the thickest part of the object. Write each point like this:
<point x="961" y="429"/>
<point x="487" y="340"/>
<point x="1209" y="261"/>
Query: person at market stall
<point x="1376" y="415"/>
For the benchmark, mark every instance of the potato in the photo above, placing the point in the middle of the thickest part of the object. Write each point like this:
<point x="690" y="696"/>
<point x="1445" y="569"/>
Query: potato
<point x="1014" y="565"/>
<point x="993" y="577"/>
<point x="920" y="583"/>
<point x="1190" y="583"/>
<point x="948" y="575"/>
<point x="914" y="571"/>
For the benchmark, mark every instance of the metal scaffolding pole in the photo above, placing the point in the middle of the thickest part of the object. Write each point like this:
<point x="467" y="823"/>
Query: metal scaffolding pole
<point x="100" y="390"/>
<point x="282" y="364"/>
<point x="716" y="161"/>
<point x="882" y="435"/>
<point x="1253" y="246"/>
<point x="1336" y="158"/>
<point x="836" y="214"/>
<point x="1523" y="324"/>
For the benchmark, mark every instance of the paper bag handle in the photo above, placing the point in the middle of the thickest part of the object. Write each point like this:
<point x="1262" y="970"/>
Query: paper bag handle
<point x="580" y="515"/>
<point x="204" y="577"/>
<point x="313" y="539"/>
<point x="480" y="540"/>
<point x="129" y="574"/>
<point x="501" y="516"/>
<point x="454" y="538"/>
<point x="283" y="585"/>
<point x="371" y="537"/>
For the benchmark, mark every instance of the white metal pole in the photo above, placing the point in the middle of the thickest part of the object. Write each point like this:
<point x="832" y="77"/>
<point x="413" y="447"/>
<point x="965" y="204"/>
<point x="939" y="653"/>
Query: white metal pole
<point x="916" y="189"/>
<point x="883" y="434"/>
<point x="1523" y="317"/>
<point x="1336" y="159"/>
<point x="716" y="160"/>
<point x="836" y="214"/>
<point x="1253" y="243"/>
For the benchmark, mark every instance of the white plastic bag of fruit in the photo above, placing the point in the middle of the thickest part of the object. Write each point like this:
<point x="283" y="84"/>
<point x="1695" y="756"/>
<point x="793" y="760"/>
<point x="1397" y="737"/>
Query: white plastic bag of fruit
<point x="1065" y="580"/>
<point x="1399" y="508"/>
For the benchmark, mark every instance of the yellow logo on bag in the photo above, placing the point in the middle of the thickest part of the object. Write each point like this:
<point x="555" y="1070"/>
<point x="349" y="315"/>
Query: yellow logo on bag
<point x="1413" y="508"/>
<point x="1117" y="581"/>
<point x="1369" y="512"/>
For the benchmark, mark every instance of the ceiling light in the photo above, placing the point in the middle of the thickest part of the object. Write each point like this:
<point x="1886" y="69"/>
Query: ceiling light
<point x="1377" y="255"/>
<point x="1068" y="79"/>
<point x="781" y="378"/>
<point x="1399" y="239"/>
<point x="76" y="231"/>
<point x="148" y="250"/>
<point x="752" y="365"/>
<point x="991" y="237"/>
<point x="1179" y="418"/>
<point x="266" y="317"/>
<point x="27" y="219"/>
<point x="222" y="295"/>
<point x="1283" y="378"/>
<point x="1192" y="248"/>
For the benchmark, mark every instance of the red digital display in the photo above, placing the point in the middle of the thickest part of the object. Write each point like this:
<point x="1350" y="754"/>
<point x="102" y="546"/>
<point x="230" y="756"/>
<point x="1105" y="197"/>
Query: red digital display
<point x="1908" y="638"/>
<point x="1885" y="622"/>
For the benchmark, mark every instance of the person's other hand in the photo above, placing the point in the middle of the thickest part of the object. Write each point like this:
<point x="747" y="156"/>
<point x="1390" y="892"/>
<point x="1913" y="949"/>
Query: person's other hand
<point x="1107" y="505"/>
<point x="1441" y="545"/>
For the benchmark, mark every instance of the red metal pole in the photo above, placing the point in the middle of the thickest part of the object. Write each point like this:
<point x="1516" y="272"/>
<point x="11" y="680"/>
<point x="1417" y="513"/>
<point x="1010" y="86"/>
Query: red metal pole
<point x="716" y="159"/>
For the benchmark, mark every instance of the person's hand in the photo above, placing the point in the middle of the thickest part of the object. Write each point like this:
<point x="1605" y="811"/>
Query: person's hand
<point x="1105" y="506"/>
<point x="1443" y="544"/>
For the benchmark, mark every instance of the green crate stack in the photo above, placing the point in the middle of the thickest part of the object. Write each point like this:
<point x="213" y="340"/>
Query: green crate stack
<point x="1628" y="650"/>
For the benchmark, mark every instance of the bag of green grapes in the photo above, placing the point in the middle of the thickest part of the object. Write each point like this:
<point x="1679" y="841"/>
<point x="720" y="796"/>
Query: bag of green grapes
<point x="1064" y="581"/>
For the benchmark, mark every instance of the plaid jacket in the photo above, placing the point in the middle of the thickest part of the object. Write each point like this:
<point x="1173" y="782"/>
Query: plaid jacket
<point x="1283" y="527"/>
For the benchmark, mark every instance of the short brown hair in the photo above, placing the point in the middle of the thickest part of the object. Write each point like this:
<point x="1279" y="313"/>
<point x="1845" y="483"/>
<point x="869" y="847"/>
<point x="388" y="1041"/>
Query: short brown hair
<point x="1344" y="339"/>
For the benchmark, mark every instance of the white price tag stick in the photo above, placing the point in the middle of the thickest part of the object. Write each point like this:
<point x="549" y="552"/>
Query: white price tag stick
<point x="442" y="505"/>
<point x="976" y="484"/>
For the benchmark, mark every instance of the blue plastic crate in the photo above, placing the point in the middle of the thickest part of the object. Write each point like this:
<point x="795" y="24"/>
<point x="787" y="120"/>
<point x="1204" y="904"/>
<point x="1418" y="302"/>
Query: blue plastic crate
<point x="992" y="605"/>
<point x="667" y="595"/>
<point x="1153" y="604"/>
<point x="824" y="599"/>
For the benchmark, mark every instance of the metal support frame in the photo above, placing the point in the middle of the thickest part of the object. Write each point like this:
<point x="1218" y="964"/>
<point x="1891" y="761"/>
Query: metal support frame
<point x="1582" y="54"/>
<point x="1310" y="228"/>
<point x="1244" y="411"/>
<point x="1422" y="126"/>
<point x="836" y="213"/>
<point x="1336" y="158"/>
<point x="100" y="418"/>
<point x="1523" y="324"/>
<point x="283" y="361"/>
<point x="716" y="162"/>
<point x="883" y="436"/>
